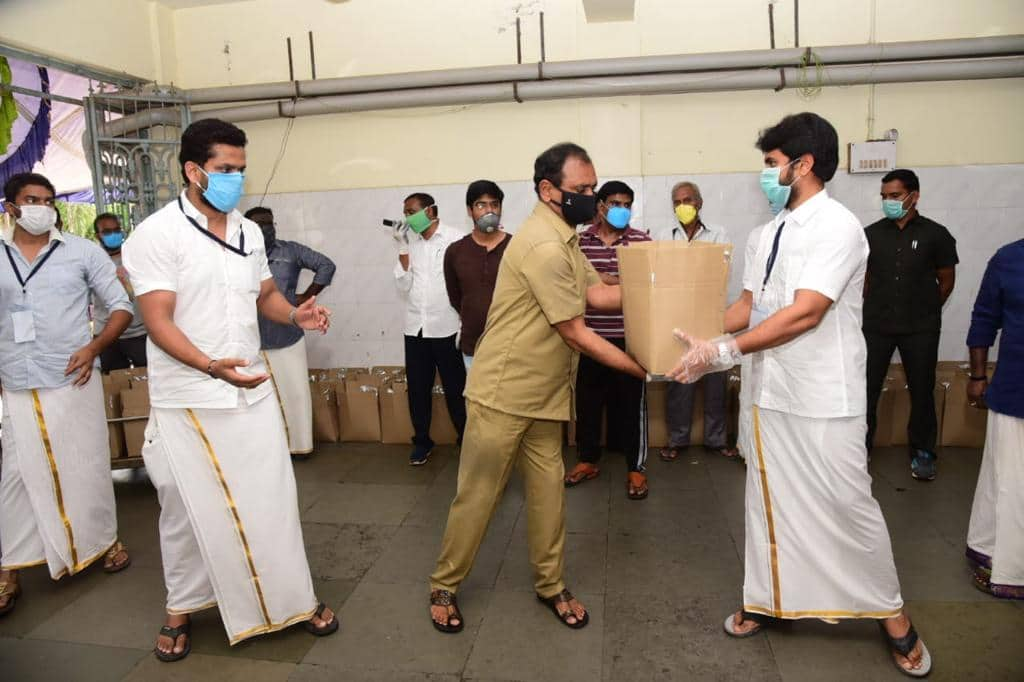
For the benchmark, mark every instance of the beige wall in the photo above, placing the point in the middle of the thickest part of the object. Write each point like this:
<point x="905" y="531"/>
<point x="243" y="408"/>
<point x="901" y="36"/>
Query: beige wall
<point x="243" y="42"/>
<point x="113" y="34"/>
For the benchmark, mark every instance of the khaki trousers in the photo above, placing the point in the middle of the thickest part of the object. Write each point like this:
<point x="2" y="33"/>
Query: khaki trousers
<point x="494" y="442"/>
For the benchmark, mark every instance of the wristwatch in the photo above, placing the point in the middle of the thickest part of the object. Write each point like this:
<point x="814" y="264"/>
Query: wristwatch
<point x="291" y="316"/>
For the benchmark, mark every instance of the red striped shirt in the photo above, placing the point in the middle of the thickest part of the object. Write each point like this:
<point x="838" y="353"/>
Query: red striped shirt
<point x="604" y="260"/>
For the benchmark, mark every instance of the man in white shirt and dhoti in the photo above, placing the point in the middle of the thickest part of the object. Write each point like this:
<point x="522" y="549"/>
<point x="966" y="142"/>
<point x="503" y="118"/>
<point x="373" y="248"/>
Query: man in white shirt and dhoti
<point x="56" y="494"/>
<point x="216" y="448"/>
<point x="816" y="543"/>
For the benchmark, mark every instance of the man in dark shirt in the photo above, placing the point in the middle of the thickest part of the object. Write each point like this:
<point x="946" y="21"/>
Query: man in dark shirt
<point x="911" y="271"/>
<point x="471" y="264"/>
<point x="995" y="537"/>
<point x="602" y="391"/>
<point x="283" y="345"/>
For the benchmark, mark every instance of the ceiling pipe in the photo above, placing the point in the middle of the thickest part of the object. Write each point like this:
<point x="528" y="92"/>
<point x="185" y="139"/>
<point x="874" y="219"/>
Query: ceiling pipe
<point x="593" y="68"/>
<point x="614" y="86"/>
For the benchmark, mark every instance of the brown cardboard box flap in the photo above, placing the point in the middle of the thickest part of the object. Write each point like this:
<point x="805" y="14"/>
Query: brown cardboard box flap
<point x="668" y="285"/>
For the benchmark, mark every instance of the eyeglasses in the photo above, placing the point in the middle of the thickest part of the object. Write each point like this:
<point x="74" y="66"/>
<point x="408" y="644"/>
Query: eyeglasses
<point x="483" y="205"/>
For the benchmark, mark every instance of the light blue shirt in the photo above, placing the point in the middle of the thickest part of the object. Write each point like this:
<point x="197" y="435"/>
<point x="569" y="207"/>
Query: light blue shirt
<point x="57" y="298"/>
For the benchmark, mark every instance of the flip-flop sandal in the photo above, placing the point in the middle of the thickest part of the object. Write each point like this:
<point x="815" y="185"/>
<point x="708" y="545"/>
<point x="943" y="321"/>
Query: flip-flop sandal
<point x="638" y="490"/>
<point x="588" y="474"/>
<point x="446" y="598"/>
<point x="904" y="646"/>
<point x="111" y="554"/>
<point x="761" y="621"/>
<point x="11" y="594"/>
<point x="323" y="630"/>
<point x="174" y="633"/>
<point x="564" y="597"/>
<point x="669" y="454"/>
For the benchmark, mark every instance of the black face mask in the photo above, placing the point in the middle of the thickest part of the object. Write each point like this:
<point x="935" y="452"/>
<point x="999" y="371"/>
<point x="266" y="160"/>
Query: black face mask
<point x="577" y="209"/>
<point x="269" y="236"/>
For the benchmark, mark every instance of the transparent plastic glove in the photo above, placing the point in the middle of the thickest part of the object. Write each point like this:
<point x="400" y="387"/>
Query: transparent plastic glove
<point x="702" y="357"/>
<point x="400" y="233"/>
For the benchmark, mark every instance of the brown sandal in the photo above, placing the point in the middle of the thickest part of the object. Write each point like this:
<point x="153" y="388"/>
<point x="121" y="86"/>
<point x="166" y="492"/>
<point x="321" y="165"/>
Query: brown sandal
<point x="12" y="591"/>
<point x="636" y="486"/>
<point x="564" y="597"/>
<point x="581" y="473"/>
<point x="108" y="559"/>
<point x="446" y="598"/>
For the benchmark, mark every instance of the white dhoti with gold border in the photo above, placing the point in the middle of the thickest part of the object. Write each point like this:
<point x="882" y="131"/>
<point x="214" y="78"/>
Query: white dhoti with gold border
<point x="289" y="369"/>
<point x="816" y="543"/>
<point x="56" y="493"/>
<point x="229" y="518"/>
<point x="995" y="538"/>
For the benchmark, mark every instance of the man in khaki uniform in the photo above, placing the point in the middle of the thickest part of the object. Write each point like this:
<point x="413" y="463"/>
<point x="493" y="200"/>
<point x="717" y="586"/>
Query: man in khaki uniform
<point x="520" y="389"/>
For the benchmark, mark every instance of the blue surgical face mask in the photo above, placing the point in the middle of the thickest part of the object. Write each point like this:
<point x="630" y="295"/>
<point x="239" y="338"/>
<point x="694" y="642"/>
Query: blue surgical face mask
<point x="778" y="195"/>
<point x="893" y="208"/>
<point x="618" y="217"/>
<point x="113" y="240"/>
<point x="224" y="190"/>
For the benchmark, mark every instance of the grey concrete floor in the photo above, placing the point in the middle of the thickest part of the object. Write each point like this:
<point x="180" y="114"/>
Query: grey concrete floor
<point x="658" y="576"/>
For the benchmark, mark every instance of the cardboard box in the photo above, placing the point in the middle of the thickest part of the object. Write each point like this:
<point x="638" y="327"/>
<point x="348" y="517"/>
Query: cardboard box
<point x="962" y="425"/>
<point x="358" y="409"/>
<point x="323" y="391"/>
<point x="442" y="430"/>
<point x="135" y="403"/>
<point x="119" y="379"/>
<point x="395" y="422"/>
<point x="112" y="407"/>
<point x="668" y="285"/>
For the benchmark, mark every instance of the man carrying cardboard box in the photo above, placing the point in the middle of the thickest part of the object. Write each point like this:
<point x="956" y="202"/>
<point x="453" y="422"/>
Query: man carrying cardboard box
<point x="520" y="390"/>
<point x="995" y="539"/>
<point x="816" y="542"/>
<point x="686" y="204"/>
<point x="601" y="392"/>
<point x="56" y="495"/>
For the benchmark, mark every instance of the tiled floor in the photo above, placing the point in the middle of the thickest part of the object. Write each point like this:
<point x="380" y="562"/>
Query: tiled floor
<point x="659" y="576"/>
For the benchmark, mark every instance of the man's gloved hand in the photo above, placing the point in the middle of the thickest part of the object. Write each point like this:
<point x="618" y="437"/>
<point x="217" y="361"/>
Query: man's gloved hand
<point x="702" y="357"/>
<point x="400" y="233"/>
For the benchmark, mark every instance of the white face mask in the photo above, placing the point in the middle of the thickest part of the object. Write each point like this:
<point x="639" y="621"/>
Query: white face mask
<point x="37" y="219"/>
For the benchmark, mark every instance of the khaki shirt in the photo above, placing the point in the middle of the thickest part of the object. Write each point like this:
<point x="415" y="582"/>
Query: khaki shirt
<point x="522" y="366"/>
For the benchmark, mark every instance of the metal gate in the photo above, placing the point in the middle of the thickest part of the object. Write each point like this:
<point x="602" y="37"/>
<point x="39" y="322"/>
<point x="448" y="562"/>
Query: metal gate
<point x="132" y="141"/>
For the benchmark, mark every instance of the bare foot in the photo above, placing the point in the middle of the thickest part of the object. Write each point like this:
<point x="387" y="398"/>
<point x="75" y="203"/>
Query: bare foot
<point x="899" y="626"/>
<point x="444" y="615"/>
<point x="165" y="644"/>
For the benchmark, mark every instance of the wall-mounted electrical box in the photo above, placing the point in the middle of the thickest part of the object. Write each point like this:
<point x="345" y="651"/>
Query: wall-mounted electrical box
<point x="873" y="156"/>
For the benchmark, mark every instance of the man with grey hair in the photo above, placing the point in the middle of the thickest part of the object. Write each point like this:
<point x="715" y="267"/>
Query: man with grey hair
<point x="687" y="203"/>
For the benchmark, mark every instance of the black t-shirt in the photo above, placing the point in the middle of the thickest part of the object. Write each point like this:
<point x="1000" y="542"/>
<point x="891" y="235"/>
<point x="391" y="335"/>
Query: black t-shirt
<point x="903" y="289"/>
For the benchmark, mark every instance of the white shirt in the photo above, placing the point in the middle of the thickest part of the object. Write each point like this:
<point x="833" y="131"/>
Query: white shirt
<point x="712" y="234"/>
<point x="821" y="373"/>
<point x="215" y="304"/>
<point x="427" y="307"/>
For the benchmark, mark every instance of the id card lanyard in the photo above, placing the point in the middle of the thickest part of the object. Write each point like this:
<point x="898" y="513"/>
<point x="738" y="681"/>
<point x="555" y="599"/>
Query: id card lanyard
<point x="240" y="249"/>
<point x="23" y="281"/>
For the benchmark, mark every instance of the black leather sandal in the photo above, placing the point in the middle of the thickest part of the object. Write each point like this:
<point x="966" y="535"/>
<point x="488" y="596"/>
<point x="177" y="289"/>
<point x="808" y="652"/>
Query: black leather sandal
<point x="174" y="633"/>
<point x="904" y="646"/>
<point x="564" y="597"/>
<point x="447" y="599"/>
<point x="323" y="630"/>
